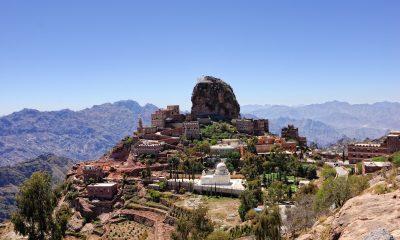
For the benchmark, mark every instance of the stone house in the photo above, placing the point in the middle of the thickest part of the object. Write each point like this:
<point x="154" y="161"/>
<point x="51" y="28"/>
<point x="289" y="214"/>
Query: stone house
<point x="102" y="191"/>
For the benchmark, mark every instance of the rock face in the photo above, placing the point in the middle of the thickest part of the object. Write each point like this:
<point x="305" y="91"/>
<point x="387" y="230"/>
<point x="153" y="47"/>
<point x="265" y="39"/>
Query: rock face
<point x="212" y="97"/>
<point x="362" y="217"/>
<point x="379" y="234"/>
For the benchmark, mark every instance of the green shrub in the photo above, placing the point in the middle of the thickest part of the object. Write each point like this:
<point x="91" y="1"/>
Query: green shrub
<point x="328" y="172"/>
<point x="162" y="185"/>
<point x="381" y="189"/>
<point x="154" y="195"/>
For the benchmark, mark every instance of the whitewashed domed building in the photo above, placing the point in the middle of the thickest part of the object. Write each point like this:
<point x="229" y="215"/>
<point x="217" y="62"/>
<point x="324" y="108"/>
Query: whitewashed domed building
<point x="221" y="176"/>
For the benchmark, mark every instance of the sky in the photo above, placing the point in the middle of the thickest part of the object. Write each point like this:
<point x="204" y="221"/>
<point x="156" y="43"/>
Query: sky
<point x="74" y="54"/>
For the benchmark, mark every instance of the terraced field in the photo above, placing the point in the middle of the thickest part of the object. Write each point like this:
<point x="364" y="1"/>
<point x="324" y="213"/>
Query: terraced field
<point x="130" y="230"/>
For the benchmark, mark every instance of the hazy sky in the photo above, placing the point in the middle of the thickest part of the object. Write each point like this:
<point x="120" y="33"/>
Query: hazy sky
<point x="73" y="54"/>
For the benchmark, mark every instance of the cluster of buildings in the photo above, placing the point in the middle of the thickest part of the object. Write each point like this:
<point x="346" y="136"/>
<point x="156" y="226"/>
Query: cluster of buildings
<point x="167" y="128"/>
<point x="267" y="143"/>
<point x="358" y="152"/>
<point x="257" y="127"/>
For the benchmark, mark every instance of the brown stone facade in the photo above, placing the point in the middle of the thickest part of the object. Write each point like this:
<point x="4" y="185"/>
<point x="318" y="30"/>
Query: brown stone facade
<point x="103" y="191"/>
<point x="370" y="167"/>
<point x="148" y="147"/>
<point x="292" y="133"/>
<point x="359" y="151"/>
<point x="92" y="172"/>
<point x="191" y="130"/>
<point x="160" y="118"/>
<point x="267" y="143"/>
<point x="253" y="127"/>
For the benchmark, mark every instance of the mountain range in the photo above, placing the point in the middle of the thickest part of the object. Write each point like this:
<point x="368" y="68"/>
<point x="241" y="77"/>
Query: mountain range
<point x="80" y="135"/>
<point x="12" y="176"/>
<point x="328" y="122"/>
<point x="89" y="133"/>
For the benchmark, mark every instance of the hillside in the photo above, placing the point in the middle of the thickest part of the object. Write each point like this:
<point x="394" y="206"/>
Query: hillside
<point x="315" y="131"/>
<point x="80" y="135"/>
<point x="372" y="215"/>
<point x="12" y="177"/>
<point x="351" y="120"/>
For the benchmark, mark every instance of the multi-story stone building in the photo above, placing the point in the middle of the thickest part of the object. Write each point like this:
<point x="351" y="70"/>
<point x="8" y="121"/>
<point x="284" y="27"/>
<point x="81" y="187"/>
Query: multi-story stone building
<point x="244" y="125"/>
<point x="357" y="152"/>
<point x="370" y="167"/>
<point x="266" y="143"/>
<point x="292" y="133"/>
<point x="161" y="116"/>
<point x="254" y="127"/>
<point x="261" y="126"/>
<point x="148" y="147"/>
<point x="191" y="130"/>
<point x="173" y="110"/>
<point x="102" y="191"/>
<point x="92" y="173"/>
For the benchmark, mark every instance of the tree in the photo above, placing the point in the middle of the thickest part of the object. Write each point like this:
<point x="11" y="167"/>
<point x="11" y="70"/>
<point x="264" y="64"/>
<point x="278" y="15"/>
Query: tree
<point x="336" y="191"/>
<point x="277" y="192"/>
<point x="173" y="163"/>
<point x="193" y="226"/>
<point x="300" y="216"/>
<point x="252" y="166"/>
<point x="35" y="205"/>
<point x="267" y="225"/>
<point x="248" y="200"/>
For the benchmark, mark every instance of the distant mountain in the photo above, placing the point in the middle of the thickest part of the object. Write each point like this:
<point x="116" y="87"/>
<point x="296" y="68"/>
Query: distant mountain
<point x="12" y="177"/>
<point x="315" y="131"/>
<point x="351" y="120"/>
<point x="81" y="135"/>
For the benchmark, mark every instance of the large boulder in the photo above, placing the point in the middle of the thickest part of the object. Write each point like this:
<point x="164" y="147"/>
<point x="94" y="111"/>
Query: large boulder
<point x="212" y="97"/>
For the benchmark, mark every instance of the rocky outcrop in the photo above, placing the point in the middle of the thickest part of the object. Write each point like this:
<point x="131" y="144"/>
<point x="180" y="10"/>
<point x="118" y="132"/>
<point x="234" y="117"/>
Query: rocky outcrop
<point x="379" y="234"/>
<point x="214" y="98"/>
<point x="360" y="218"/>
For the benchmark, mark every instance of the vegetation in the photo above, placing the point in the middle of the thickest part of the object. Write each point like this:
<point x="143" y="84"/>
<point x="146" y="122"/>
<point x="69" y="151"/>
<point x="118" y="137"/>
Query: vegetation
<point x="218" y="235"/>
<point x="302" y="215"/>
<point x="328" y="172"/>
<point x="36" y="202"/>
<point x="336" y="191"/>
<point x="193" y="226"/>
<point x="154" y="195"/>
<point x="268" y="224"/>
<point x="218" y="131"/>
<point x="278" y="192"/>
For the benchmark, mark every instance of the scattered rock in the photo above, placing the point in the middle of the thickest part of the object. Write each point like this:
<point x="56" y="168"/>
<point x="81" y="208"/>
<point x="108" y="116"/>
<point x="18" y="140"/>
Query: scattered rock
<point x="379" y="234"/>
<point x="75" y="223"/>
<point x="118" y="205"/>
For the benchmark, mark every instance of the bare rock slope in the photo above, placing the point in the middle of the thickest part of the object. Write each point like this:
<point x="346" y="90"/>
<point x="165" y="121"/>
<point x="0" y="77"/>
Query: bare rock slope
<point x="361" y="217"/>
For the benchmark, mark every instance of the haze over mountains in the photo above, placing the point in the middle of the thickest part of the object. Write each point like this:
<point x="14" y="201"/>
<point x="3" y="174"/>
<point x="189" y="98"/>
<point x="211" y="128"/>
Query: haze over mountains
<point x="12" y="177"/>
<point x="80" y="135"/>
<point x="89" y="133"/>
<point x="328" y="122"/>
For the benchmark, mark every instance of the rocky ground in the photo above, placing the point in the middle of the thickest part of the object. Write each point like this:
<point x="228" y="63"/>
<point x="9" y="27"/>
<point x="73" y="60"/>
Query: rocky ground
<point x="373" y="215"/>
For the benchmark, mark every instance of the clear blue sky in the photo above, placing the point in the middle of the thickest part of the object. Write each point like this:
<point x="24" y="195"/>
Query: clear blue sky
<point x="73" y="54"/>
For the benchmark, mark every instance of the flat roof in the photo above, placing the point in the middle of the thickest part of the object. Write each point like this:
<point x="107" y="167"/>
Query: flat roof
<point x="377" y="164"/>
<point x="108" y="184"/>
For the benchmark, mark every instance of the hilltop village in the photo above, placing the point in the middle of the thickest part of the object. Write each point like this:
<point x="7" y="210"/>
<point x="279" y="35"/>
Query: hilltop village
<point x="152" y="181"/>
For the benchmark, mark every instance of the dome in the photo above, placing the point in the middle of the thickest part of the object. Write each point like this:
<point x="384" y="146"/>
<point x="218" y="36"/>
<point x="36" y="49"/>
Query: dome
<point x="221" y="169"/>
